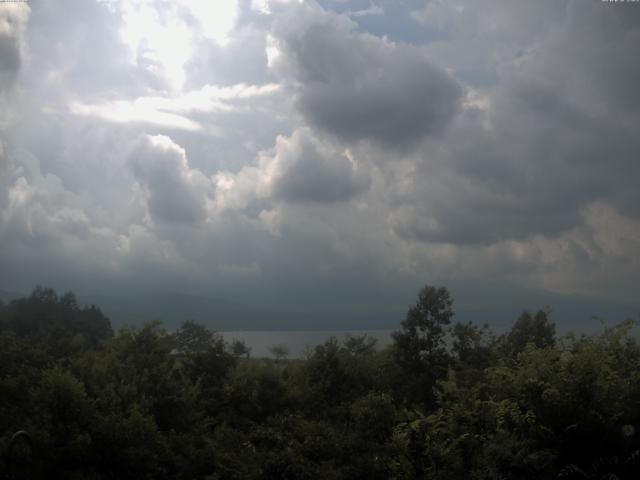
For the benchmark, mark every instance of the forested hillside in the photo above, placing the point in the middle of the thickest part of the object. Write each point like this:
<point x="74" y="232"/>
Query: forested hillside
<point x="445" y="401"/>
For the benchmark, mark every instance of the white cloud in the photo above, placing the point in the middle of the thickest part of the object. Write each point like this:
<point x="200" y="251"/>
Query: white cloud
<point x="173" y="111"/>
<point x="174" y="192"/>
<point x="438" y="14"/>
<point x="161" y="35"/>
<point x="372" y="10"/>
<point x="216" y="19"/>
<point x="137" y="111"/>
<point x="300" y="169"/>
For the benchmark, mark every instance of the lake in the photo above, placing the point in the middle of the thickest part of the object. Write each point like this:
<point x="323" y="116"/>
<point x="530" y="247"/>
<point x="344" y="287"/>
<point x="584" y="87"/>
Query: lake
<point x="298" y="341"/>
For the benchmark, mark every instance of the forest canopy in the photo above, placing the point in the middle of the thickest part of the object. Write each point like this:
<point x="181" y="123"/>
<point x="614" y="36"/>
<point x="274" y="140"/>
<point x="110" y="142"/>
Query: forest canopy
<point x="445" y="400"/>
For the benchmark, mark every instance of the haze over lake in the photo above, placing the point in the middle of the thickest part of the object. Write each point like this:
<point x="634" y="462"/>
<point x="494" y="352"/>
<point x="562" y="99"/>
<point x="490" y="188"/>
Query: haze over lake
<point x="298" y="343"/>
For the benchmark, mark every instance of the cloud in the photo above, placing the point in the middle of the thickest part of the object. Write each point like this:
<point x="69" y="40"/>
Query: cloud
<point x="173" y="111"/>
<point x="13" y="21"/>
<point x="373" y="9"/>
<point x="438" y="14"/>
<point x="174" y="192"/>
<point x="137" y="111"/>
<point x="161" y="35"/>
<point x="549" y="139"/>
<point x="304" y="170"/>
<point x="6" y="172"/>
<point x="46" y="228"/>
<point x="357" y="86"/>
<point x="300" y="169"/>
<point x="308" y="153"/>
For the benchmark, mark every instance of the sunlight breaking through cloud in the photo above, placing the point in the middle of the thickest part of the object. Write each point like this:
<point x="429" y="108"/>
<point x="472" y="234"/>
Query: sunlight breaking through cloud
<point x="160" y="35"/>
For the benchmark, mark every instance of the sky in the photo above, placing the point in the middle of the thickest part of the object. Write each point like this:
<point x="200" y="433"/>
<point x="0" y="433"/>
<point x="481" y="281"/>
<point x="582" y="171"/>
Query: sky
<point x="328" y="155"/>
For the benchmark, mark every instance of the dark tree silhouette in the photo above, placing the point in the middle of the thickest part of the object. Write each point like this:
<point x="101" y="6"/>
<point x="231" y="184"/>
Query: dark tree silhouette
<point x="419" y="344"/>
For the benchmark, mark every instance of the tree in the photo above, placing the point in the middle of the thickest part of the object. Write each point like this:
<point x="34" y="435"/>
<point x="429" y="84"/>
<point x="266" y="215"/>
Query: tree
<point x="207" y="361"/>
<point x="472" y="350"/>
<point x="535" y="329"/>
<point x="239" y="349"/>
<point x="193" y="337"/>
<point x="279" y="351"/>
<point x="360" y="345"/>
<point x="58" y="322"/>
<point x="419" y="345"/>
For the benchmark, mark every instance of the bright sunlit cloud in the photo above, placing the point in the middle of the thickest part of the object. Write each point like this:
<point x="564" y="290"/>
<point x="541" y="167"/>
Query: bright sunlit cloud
<point x="216" y="18"/>
<point x="169" y="111"/>
<point x="135" y="112"/>
<point x="161" y="39"/>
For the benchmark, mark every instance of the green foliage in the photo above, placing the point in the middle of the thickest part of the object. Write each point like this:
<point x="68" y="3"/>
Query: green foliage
<point x="440" y="403"/>
<point x="59" y="323"/>
<point x="420" y="344"/>
<point x="193" y="338"/>
<point x="279" y="351"/>
<point x="536" y="329"/>
<point x="239" y="349"/>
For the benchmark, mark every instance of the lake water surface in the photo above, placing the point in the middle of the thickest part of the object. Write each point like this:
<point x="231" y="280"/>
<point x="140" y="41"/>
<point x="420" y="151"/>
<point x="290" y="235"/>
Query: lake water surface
<point x="298" y="341"/>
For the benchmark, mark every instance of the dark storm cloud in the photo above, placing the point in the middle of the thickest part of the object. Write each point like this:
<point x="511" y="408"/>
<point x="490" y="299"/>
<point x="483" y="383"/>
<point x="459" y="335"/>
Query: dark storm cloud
<point x="558" y="134"/>
<point x="9" y="60"/>
<point x="357" y="86"/>
<point x="304" y="173"/>
<point x="594" y="60"/>
<point x="6" y="172"/>
<point x="174" y="194"/>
